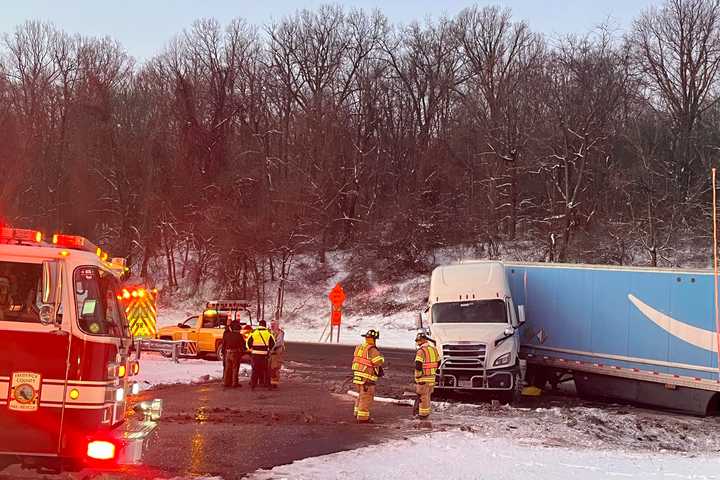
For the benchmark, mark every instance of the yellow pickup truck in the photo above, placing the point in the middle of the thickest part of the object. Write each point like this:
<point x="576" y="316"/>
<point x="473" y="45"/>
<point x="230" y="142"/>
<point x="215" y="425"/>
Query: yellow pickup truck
<point x="207" y="328"/>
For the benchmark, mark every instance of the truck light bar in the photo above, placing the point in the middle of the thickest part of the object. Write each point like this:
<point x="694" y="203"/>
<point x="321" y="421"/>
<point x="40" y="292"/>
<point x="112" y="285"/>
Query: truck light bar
<point x="20" y="235"/>
<point x="227" y="305"/>
<point x="75" y="242"/>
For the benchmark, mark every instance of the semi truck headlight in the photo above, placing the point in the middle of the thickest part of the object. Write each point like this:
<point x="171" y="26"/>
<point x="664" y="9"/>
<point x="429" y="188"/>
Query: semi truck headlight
<point x="502" y="360"/>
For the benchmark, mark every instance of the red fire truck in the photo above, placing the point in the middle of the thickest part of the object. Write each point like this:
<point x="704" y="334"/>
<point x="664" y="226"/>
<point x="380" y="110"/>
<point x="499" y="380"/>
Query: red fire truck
<point x="67" y="357"/>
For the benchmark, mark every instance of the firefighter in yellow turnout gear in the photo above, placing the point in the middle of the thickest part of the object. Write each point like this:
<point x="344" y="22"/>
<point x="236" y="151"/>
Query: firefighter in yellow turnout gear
<point x="367" y="367"/>
<point x="427" y="360"/>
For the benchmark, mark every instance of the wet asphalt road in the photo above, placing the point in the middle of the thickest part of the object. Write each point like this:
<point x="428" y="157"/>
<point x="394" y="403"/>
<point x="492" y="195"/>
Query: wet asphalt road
<point x="209" y="430"/>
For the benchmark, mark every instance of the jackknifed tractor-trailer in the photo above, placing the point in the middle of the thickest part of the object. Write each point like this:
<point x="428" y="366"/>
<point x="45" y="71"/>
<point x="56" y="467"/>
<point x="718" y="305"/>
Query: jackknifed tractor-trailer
<point x="643" y="335"/>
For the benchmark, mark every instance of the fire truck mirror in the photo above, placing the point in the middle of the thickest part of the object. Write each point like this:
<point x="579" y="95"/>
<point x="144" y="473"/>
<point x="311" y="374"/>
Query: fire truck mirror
<point x="51" y="290"/>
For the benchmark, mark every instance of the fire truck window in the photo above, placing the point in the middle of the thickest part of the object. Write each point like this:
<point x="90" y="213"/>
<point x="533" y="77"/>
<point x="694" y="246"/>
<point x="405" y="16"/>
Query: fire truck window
<point x="97" y="307"/>
<point x="18" y="291"/>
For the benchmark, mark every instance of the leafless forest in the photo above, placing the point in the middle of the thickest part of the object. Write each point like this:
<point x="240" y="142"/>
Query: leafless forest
<point x="240" y="146"/>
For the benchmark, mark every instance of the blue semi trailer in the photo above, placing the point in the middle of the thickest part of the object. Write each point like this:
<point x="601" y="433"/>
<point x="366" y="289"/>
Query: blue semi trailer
<point x="644" y="335"/>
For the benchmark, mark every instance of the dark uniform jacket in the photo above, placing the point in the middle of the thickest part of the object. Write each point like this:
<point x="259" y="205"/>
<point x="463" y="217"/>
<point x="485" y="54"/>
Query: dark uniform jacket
<point x="233" y="340"/>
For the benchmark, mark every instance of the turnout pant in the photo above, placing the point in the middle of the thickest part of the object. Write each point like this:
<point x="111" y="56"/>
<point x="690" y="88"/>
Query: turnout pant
<point x="232" y="368"/>
<point x="364" y="401"/>
<point x="276" y="361"/>
<point x="424" y="391"/>
<point x="259" y="371"/>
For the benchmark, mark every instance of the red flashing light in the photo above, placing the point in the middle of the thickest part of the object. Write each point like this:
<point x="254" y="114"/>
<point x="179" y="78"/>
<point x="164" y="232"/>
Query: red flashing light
<point x="125" y="294"/>
<point x="134" y="294"/>
<point x="69" y="241"/>
<point x="141" y="293"/>
<point x="101" y="450"/>
<point x="20" y="235"/>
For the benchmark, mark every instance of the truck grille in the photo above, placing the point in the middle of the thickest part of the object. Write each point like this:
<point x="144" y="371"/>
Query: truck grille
<point x="466" y="355"/>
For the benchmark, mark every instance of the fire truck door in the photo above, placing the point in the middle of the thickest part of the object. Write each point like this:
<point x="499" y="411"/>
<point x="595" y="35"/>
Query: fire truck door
<point x="33" y="369"/>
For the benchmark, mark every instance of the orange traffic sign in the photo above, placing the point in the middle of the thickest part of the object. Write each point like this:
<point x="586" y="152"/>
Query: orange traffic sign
<point x="337" y="295"/>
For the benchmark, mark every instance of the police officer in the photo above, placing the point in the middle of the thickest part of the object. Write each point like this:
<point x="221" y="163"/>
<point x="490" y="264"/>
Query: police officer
<point x="260" y="343"/>
<point x="427" y="359"/>
<point x="367" y="367"/>
<point x="233" y="348"/>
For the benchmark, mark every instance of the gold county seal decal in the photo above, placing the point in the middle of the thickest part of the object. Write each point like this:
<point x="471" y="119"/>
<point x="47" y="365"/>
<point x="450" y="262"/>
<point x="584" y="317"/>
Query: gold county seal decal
<point x="25" y="391"/>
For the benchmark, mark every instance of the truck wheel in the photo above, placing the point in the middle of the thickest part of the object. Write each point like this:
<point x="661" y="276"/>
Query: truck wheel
<point x="218" y="351"/>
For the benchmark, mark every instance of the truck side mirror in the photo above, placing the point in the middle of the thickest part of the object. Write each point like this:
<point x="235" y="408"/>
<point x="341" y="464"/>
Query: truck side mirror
<point x="521" y="314"/>
<point x="51" y="291"/>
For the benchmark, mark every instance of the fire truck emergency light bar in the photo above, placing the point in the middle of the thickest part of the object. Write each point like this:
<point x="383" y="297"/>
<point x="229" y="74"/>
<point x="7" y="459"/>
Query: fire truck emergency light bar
<point x="75" y="242"/>
<point x="19" y="235"/>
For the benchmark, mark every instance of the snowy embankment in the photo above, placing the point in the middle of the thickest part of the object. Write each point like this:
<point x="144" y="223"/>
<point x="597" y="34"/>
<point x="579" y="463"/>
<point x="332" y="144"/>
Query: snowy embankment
<point x="461" y="455"/>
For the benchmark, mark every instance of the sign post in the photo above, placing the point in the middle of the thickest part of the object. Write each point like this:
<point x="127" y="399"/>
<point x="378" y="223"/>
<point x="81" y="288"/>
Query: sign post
<point x="337" y="297"/>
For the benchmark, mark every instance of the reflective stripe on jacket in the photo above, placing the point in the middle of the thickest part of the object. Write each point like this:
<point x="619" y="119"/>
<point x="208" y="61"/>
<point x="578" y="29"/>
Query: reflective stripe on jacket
<point x="426" y="363"/>
<point x="260" y="341"/>
<point x="366" y="361"/>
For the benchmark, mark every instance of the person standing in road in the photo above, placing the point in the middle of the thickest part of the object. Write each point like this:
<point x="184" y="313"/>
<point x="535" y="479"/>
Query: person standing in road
<point x="367" y="367"/>
<point x="427" y="359"/>
<point x="277" y="354"/>
<point x="233" y="347"/>
<point x="260" y="343"/>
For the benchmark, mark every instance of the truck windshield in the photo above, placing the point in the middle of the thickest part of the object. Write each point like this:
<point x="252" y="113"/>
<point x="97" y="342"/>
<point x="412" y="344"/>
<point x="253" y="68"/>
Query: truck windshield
<point x="97" y="307"/>
<point x="19" y="291"/>
<point x="475" y="311"/>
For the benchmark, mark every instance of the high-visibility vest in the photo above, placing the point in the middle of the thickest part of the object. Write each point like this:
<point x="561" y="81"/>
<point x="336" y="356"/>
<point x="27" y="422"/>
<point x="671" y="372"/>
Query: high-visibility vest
<point x="366" y="360"/>
<point x="260" y="341"/>
<point x="430" y="358"/>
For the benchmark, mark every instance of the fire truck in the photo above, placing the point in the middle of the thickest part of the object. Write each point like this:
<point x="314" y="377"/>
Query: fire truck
<point x="67" y="360"/>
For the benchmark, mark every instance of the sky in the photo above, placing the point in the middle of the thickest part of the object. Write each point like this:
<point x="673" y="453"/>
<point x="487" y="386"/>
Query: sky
<point x="144" y="27"/>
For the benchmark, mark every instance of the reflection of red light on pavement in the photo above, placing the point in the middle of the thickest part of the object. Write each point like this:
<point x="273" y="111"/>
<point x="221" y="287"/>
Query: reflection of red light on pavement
<point x="101" y="450"/>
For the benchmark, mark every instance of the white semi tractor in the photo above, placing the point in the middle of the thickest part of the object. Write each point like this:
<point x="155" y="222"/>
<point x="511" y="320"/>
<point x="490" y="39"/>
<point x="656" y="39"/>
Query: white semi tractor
<point x="475" y="323"/>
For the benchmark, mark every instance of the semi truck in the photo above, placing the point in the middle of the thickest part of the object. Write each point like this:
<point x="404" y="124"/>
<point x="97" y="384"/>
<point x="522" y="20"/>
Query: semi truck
<point x="643" y="335"/>
<point x="67" y="360"/>
<point x="472" y="317"/>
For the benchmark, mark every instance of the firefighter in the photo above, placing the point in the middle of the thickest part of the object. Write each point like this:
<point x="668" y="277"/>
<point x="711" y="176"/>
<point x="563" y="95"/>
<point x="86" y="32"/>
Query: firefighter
<point x="233" y="348"/>
<point x="277" y="353"/>
<point x="260" y="343"/>
<point x="426" y="364"/>
<point x="367" y="367"/>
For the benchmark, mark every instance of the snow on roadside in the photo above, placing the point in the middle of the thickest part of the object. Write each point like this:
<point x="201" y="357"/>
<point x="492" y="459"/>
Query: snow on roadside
<point x="156" y="370"/>
<point x="460" y="455"/>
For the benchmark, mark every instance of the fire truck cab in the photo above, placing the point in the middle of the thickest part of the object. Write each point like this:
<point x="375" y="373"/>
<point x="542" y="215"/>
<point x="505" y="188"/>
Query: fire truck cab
<point x="67" y="358"/>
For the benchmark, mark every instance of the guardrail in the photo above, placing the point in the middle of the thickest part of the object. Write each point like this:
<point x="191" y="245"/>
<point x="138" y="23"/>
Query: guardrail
<point x="169" y="348"/>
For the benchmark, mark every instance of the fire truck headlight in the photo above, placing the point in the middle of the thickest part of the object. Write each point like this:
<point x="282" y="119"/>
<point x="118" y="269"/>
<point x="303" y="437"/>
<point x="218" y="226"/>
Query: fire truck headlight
<point x="119" y="394"/>
<point x="135" y="388"/>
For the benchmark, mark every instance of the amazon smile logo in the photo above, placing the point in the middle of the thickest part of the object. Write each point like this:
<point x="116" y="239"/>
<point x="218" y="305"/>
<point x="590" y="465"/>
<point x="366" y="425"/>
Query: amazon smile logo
<point x="698" y="337"/>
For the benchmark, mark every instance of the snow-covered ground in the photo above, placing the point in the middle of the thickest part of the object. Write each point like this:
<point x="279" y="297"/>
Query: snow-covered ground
<point x="461" y="455"/>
